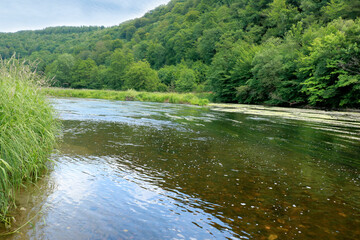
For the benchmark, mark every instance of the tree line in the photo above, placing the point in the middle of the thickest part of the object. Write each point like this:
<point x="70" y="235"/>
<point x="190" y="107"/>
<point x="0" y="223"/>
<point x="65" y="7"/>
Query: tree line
<point x="277" y="52"/>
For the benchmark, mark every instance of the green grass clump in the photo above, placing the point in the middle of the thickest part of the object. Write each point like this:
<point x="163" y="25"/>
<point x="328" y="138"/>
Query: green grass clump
<point x="28" y="129"/>
<point x="200" y="99"/>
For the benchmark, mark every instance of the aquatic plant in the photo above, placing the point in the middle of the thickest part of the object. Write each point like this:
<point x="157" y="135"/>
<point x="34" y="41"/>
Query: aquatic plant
<point x="28" y="129"/>
<point x="132" y="95"/>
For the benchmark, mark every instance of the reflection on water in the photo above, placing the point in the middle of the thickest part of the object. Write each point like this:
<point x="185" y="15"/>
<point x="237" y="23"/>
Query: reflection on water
<point x="129" y="170"/>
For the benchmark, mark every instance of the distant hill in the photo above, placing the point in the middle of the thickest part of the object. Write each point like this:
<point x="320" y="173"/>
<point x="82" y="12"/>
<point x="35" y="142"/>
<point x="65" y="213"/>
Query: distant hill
<point x="279" y="52"/>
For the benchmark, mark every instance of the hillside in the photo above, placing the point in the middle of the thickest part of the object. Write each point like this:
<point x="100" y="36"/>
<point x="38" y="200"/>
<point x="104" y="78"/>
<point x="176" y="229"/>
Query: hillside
<point x="278" y="52"/>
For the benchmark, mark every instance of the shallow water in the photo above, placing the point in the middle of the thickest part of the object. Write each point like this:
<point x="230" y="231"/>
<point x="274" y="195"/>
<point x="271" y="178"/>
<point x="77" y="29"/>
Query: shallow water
<point x="131" y="170"/>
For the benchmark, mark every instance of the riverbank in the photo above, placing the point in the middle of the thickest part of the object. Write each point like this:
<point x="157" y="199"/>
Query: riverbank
<point x="28" y="129"/>
<point x="201" y="99"/>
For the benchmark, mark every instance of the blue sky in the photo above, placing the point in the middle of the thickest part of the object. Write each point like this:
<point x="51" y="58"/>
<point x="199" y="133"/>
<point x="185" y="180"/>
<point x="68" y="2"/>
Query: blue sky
<point x="18" y="15"/>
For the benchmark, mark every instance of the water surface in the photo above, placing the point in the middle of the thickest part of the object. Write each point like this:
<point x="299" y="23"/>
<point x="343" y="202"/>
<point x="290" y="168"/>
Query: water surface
<point x="131" y="170"/>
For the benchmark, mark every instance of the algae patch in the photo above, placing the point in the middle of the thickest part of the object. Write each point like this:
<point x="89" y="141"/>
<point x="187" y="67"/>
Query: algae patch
<point x="337" y="118"/>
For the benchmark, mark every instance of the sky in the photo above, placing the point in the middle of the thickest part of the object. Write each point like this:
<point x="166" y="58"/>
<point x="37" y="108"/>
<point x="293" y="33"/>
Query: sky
<point x="18" y="15"/>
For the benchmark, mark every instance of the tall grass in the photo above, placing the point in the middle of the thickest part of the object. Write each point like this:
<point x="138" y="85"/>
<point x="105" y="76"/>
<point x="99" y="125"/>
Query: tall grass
<point x="131" y="95"/>
<point x="28" y="130"/>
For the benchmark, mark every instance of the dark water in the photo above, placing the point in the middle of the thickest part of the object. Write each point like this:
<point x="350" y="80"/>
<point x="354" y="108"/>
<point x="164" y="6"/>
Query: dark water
<point x="130" y="170"/>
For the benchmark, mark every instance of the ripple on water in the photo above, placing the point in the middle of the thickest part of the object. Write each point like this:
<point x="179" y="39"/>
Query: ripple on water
<point x="130" y="170"/>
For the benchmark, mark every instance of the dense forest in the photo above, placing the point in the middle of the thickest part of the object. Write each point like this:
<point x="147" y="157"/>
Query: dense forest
<point x="277" y="52"/>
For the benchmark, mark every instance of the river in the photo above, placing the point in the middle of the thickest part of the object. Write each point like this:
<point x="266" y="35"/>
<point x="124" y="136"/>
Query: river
<point x="135" y="170"/>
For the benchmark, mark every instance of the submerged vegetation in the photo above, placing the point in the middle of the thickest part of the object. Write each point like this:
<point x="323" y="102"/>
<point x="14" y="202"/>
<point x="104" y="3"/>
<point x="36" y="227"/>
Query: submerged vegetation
<point x="277" y="52"/>
<point x="200" y="99"/>
<point x="28" y="129"/>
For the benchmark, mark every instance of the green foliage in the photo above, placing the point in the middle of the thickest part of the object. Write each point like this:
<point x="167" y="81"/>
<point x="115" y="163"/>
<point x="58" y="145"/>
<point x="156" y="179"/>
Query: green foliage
<point x="274" y="79"/>
<point x="341" y="8"/>
<point x="207" y="44"/>
<point x="280" y="52"/>
<point x="184" y="77"/>
<point x="61" y="69"/>
<point x="27" y="130"/>
<point x="241" y="71"/>
<point x="224" y="79"/>
<point x="281" y="16"/>
<point x="201" y="71"/>
<point x="186" y="80"/>
<point x="84" y="74"/>
<point x="155" y="54"/>
<point x="168" y="76"/>
<point x="120" y="61"/>
<point x="331" y="68"/>
<point x="140" y="76"/>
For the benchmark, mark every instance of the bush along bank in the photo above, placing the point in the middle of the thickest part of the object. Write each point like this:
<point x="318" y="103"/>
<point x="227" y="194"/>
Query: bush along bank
<point x="28" y="129"/>
<point x="200" y="99"/>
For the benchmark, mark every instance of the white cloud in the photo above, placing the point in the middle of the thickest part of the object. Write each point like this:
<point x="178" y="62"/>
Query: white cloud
<point x="18" y="15"/>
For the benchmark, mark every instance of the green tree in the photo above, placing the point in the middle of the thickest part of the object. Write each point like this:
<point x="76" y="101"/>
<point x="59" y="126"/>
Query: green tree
<point x="140" y="76"/>
<point x="221" y="76"/>
<point x="84" y="74"/>
<point x="120" y="61"/>
<point x="201" y="71"/>
<point x="168" y="76"/>
<point x="61" y="70"/>
<point x="43" y="58"/>
<point x="274" y="78"/>
<point x="183" y="45"/>
<point x="155" y="55"/>
<point x="281" y="16"/>
<point x="101" y="51"/>
<point x="341" y="8"/>
<point x="186" y="81"/>
<point x="331" y="67"/>
<point x="207" y="44"/>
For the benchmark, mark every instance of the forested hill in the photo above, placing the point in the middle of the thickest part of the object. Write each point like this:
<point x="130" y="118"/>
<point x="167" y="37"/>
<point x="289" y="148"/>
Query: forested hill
<point x="280" y="52"/>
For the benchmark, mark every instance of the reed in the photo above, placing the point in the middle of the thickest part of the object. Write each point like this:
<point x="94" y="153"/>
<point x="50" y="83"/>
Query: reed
<point x="132" y="95"/>
<point x="28" y="129"/>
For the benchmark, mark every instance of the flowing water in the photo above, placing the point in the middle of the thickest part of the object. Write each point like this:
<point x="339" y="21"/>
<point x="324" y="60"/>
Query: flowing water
<point x="131" y="170"/>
